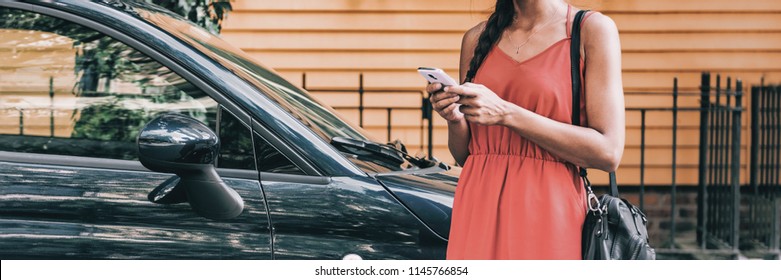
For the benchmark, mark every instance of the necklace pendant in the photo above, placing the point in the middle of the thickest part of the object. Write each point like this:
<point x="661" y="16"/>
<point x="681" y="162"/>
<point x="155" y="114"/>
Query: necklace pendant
<point x="517" y="50"/>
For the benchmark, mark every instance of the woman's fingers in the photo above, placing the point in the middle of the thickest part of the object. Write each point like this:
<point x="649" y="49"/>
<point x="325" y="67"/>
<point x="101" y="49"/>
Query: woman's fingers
<point x="449" y="109"/>
<point x="433" y="88"/>
<point x="444" y="102"/>
<point x="471" y="85"/>
<point x="454" y="102"/>
<point x="470" y="102"/>
<point x="464" y="90"/>
<point x="469" y="111"/>
<point x="452" y="112"/>
<point x="441" y="96"/>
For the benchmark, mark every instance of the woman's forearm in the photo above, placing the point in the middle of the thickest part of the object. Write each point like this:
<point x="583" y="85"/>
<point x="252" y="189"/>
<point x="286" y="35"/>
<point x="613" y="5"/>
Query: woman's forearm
<point x="458" y="140"/>
<point x="583" y="146"/>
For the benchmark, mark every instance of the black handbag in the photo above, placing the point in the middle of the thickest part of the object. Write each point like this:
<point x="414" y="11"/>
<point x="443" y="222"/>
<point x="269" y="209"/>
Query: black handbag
<point x="614" y="229"/>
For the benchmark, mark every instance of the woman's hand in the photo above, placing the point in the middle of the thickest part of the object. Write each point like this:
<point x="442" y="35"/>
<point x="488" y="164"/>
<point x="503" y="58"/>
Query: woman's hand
<point x="480" y="105"/>
<point x="444" y="103"/>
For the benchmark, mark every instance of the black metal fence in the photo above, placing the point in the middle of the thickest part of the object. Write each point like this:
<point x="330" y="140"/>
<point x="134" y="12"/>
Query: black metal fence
<point x="718" y="206"/>
<point x="761" y="230"/>
<point x="664" y="218"/>
<point x="21" y="111"/>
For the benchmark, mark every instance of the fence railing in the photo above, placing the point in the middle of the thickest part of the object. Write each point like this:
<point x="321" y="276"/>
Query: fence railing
<point x="762" y="224"/>
<point x="718" y="208"/>
<point x="665" y="218"/>
<point x="21" y="111"/>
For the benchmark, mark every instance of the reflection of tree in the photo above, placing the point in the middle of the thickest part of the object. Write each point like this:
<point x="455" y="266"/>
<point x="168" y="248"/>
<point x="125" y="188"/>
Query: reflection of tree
<point x="103" y="57"/>
<point x="101" y="60"/>
<point x="208" y="14"/>
<point x="109" y="122"/>
<point x="100" y="56"/>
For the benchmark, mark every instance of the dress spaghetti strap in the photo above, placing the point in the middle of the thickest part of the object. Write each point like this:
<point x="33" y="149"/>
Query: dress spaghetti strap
<point x="566" y="25"/>
<point x="569" y="23"/>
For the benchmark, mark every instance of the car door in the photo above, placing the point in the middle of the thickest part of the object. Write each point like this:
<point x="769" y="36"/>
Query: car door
<point x="325" y="217"/>
<point x="72" y="102"/>
<point x="319" y="217"/>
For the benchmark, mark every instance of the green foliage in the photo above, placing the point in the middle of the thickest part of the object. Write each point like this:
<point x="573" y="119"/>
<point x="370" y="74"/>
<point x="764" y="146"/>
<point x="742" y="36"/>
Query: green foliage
<point x="103" y="58"/>
<point x="209" y="14"/>
<point x="106" y="58"/>
<point x="109" y="122"/>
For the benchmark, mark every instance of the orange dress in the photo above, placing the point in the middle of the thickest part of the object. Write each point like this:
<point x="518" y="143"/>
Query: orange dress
<point x="515" y="200"/>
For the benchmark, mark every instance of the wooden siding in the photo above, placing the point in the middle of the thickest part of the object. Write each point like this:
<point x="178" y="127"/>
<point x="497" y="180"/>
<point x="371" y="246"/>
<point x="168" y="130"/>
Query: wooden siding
<point x="334" y="41"/>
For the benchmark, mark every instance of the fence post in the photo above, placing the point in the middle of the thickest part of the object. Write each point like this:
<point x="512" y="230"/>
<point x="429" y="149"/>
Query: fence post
<point x="428" y="114"/>
<point x="673" y="207"/>
<point x="642" y="160"/>
<point x="724" y="185"/>
<point x="51" y="106"/>
<point x="774" y="190"/>
<point x="703" y="158"/>
<point x="754" y="155"/>
<point x="21" y="121"/>
<point x="360" y="100"/>
<point x="756" y="118"/>
<point x="736" y="133"/>
<point x="389" y="123"/>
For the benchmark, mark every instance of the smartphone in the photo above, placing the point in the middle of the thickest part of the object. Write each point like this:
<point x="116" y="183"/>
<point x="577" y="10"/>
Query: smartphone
<point x="436" y="75"/>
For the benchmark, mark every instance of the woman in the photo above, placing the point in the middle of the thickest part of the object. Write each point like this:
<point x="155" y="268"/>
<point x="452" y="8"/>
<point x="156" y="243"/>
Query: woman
<point x="519" y="195"/>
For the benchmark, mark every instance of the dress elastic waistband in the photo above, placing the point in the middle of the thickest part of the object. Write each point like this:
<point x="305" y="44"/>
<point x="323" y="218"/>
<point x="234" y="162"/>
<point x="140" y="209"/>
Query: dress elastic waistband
<point x="523" y="156"/>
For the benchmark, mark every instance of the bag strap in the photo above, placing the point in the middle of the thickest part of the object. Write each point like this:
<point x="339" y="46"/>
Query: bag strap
<point x="574" y="53"/>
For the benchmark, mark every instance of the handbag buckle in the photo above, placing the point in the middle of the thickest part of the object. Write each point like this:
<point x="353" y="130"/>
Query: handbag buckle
<point x="591" y="198"/>
<point x="593" y="203"/>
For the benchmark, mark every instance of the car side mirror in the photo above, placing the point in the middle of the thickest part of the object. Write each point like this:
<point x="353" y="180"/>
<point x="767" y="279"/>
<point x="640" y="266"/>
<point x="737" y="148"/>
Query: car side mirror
<point x="175" y="143"/>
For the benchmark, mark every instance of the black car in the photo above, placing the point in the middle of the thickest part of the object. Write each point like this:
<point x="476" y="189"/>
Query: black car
<point x="129" y="133"/>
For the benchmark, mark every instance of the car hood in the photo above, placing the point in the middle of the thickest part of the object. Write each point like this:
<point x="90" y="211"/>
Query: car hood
<point x="427" y="193"/>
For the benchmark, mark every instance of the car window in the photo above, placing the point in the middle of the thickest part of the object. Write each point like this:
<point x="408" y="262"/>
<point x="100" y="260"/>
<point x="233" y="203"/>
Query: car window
<point x="69" y="90"/>
<point x="236" y="149"/>
<point x="271" y="160"/>
<point x="235" y="143"/>
<point x="312" y="112"/>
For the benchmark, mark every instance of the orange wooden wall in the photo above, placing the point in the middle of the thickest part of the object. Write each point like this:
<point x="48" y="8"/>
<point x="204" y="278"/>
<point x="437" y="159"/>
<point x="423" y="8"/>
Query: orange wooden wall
<point x="334" y="41"/>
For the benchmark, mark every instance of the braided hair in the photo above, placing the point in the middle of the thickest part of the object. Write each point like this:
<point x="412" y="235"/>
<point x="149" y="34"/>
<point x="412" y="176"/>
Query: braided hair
<point x="497" y="22"/>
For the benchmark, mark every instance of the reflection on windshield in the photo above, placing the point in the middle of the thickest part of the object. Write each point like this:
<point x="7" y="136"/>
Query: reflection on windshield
<point x="313" y="112"/>
<point x="70" y="90"/>
<point x="321" y="118"/>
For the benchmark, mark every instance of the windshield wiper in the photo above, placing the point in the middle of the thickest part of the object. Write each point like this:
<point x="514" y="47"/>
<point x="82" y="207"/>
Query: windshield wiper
<point x="395" y="153"/>
<point x="368" y="149"/>
<point x="419" y="161"/>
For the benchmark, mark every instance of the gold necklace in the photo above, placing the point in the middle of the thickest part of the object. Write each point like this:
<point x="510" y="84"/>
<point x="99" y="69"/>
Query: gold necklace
<point x="518" y="49"/>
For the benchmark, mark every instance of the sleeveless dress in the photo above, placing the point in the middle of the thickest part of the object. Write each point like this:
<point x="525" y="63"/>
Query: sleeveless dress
<point x="515" y="200"/>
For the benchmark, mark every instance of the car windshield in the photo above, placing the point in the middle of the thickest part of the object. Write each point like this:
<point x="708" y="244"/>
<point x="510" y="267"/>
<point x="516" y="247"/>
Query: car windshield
<point x="312" y="112"/>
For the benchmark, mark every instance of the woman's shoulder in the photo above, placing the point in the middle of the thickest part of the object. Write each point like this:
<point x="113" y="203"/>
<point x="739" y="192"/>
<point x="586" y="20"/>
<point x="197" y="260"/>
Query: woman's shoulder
<point x="599" y="36"/>
<point x="473" y="34"/>
<point x="477" y="29"/>
<point x="598" y="23"/>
